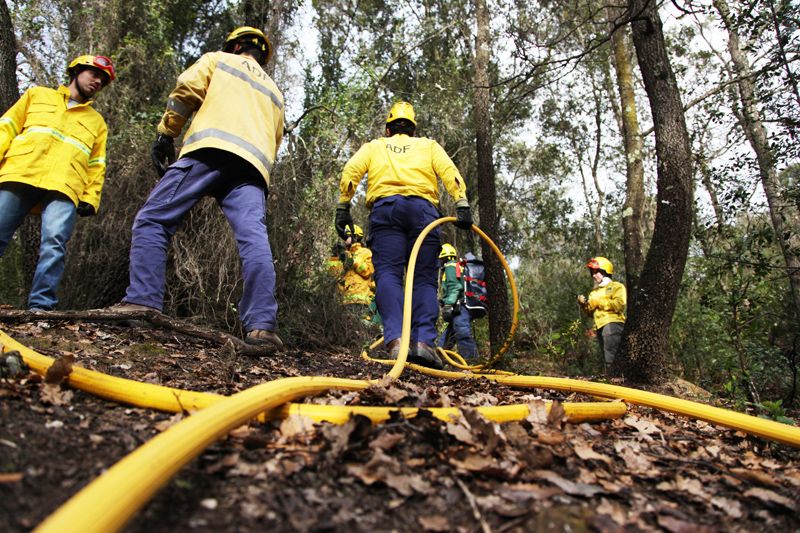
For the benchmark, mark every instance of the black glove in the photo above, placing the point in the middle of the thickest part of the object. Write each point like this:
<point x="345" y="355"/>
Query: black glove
<point x="343" y="220"/>
<point x="338" y="250"/>
<point x="447" y="313"/>
<point x="85" y="210"/>
<point x="463" y="217"/>
<point x="163" y="153"/>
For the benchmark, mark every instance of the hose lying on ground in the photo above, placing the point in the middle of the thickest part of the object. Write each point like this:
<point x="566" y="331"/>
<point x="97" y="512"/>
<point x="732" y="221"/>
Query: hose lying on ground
<point x="111" y="500"/>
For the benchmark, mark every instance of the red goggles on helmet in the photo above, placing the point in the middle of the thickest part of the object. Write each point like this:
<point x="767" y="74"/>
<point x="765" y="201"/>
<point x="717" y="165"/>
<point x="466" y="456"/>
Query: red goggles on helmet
<point x="106" y="65"/>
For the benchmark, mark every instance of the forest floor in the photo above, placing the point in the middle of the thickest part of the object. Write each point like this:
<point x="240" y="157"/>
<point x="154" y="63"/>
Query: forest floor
<point x="647" y="471"/>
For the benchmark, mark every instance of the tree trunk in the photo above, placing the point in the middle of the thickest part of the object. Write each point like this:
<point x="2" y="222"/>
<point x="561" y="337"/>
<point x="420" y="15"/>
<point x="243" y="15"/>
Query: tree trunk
<point x="633" y="209"/>
<point x="499" y="319"/>
<point x="645" y="342"/>
<point x="780" y="210"/>
<point x="9" y="93"/>
<point x="267" y="16"/>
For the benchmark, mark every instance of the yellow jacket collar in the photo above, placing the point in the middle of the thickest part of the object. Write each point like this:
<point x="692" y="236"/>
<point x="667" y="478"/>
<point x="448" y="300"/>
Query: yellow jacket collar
<point x="64" y="90"/>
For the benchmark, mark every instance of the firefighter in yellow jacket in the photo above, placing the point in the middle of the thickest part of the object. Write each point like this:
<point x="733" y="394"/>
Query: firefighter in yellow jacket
<point x="403" y="173"/>
<point x="53" y="159"/>
<point x="357" y="286"/>
<point x="353" y="267"/>
<point x="606" y="305"/>
<point x="228" y="153"/>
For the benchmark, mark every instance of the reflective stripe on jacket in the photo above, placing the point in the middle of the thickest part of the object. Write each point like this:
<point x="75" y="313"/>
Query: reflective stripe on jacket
<point x="401" y="165"/>
<point x="237" y="106"/>
<point x="452" y="287"/>
<point x="607" y="304"/>
<point x="47" y="145"/>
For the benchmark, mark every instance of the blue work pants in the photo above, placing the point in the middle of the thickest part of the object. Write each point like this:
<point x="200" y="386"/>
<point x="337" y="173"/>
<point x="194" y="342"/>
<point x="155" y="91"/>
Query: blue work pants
<point x="395" y="223"/>
<point x="241" y="193"/>
<point x="58" y="221"/>
<point x="459" y="331"/>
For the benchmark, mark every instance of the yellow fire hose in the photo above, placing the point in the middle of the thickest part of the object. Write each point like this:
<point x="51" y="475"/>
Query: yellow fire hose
<point x="108" y="502"/>
<point x="111" y="500"/>
<point x="173" y="400"/>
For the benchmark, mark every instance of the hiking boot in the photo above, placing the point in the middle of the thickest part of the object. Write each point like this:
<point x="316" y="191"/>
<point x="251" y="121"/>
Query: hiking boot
<point x="393" y="348"/>
<point x="126" y="307"/>
<point x="264" y="337"/>
<point x="425" y="355"/>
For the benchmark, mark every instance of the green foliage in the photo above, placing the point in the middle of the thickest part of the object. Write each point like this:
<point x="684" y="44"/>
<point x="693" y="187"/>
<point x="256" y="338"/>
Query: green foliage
<point x="773" y="410"/>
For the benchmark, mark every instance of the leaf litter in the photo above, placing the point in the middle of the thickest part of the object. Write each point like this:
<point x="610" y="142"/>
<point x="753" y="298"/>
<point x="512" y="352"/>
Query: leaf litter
<point x="647" y="471"/>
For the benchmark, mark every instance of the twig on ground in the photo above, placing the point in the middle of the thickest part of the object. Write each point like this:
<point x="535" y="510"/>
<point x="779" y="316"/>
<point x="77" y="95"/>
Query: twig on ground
<point x="474" y="505"/>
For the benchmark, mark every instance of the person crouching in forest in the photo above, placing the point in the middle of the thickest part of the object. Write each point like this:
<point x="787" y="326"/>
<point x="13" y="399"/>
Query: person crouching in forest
<point x="352" y="266"/>
<point x="403" y="198"/>
<point x="228" y="152"/>
<point x="53" y="161"/>
<point x="606" y="305"/>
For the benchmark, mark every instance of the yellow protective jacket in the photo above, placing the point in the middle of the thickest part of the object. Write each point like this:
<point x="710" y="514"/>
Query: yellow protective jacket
<point x="237" y="106"/>
<point x="357" y="285"/>
<point x="47" y="145"/>
<point x="607" y="304"/>
<point x="401" y="165"/>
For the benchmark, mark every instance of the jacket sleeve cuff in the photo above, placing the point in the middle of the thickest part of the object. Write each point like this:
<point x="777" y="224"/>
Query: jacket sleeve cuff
<point x="463" y="202"/>
<point x="343" y="204"/>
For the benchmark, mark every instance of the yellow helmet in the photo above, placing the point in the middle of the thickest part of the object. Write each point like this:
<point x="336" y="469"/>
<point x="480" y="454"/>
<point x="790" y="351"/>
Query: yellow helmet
<point x="600" y="263"/>
<point x="256" y="37"/>
<point x="448" y="250"/>
<point x="402" y="110"/>
<point x="101" y="63"/>
<point x="357" y="230"/>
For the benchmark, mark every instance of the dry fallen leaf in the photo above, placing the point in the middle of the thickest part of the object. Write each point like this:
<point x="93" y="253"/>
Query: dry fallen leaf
<point x="674" y="525"/>
<point x="59" y="370"/>
<point x="635" y="460"/>
<point x="461" y="431"/>
<point x="756" y="476"/>
<point x="168" y="423"/>
<point x="732" y="507"/>
<point x="294" y="426"/>
<point x="645" y="427"/>
<point x="434" y="523"/>
<point x="570" y="487"/>
<point x="585" y="452"/>
<point x="768" y="496"/>
<point x="537" y="413"/>
<point x="613" y="511"/>
<point x="54" y="395"/>
<point x="692" y="486"/>
<point x="386" y="441"/>
<point x="386" y="469"/>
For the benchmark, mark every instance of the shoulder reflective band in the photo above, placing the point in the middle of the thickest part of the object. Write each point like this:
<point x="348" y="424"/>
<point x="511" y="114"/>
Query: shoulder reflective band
<point x="253" y="83"/>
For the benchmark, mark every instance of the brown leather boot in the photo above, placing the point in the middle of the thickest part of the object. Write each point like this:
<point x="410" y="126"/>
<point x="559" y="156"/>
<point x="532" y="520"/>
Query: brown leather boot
<point x="425" y="355"/>
<point x="264" y="337"/>
<point x="393" y="348"/>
